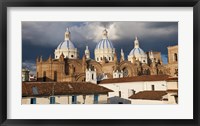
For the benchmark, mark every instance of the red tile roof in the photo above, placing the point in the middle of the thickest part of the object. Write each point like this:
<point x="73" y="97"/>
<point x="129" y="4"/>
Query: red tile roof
<point x="149" y="95"/>
<point x="136" y="79"/>
<point x="174" y="79"/>
<point x="172" y="90"/>
<point x="61" y="88"/>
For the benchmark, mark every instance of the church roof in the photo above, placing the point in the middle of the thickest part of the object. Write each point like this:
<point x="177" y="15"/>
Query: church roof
<point x="136" y="52"/>
<point x="66" y="44"/>
<point x="135" y="79"/>
<point x="149" y="95"/>
<point x="104" y="44"/>
<point x="61" y="88"/>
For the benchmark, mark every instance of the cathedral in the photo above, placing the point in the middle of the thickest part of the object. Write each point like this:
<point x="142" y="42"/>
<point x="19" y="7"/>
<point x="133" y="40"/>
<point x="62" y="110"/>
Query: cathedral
<point x="67" y="66"/>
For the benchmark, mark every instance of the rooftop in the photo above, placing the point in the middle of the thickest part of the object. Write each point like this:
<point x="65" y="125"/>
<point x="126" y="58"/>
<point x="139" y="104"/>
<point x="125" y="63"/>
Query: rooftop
<point x="149" y="95"/>
<point x="174" y="79"/>
<point x="136" y="79"/>
<point x="61" y="88"/>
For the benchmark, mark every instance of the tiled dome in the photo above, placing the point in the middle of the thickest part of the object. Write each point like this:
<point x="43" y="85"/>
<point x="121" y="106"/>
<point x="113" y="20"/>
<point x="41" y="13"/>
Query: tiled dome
<point x="66" y="44"/>
<point x="137" y="52"/>
<point x="104" y="43"/>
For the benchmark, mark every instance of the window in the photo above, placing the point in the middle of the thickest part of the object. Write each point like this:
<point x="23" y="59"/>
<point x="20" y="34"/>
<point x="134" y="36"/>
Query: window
<point x="84" y="97"/>
<point x="120" y="94"/>
<point x="175" y="57"/>
<point x="52" y="100"/>
<point x="33" y="100"/>
<point x="101" y="58"/>
<point x="152" y="87"/>
<point x="97" y="59"/>
<point x="92" y="76"/>
<point x="125" y="70"/>
<point x="55" y="75"/>
<point x="72" y="56"/>
<point x="44" y="76"/>
<point x="74" y="99"/>
<point x="96" y="98"/>
<point x="109" y="58"/>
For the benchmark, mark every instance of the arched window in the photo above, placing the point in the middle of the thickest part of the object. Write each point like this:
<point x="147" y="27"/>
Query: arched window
<point x="97" y="59"/>
<point x="109" y="58"/>
<point x="175" y="57"/>
<point x="101" y="58"/>
<point x="125" y="70"/>
<point x="92" y="76"/>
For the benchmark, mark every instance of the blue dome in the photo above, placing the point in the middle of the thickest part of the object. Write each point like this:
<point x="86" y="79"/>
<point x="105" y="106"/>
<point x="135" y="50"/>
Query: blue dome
<point x="136" y="52"/>
<point x="66" y="44"/>
<point x="104" y="43"/>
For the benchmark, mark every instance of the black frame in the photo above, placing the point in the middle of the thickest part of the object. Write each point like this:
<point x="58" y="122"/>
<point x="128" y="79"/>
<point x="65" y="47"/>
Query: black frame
<point x="98" y="3"/>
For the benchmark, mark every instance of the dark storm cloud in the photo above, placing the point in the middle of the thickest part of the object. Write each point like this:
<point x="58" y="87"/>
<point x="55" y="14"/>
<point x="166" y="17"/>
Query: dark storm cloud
<point x="106" y="24"/>
<point x="162" y="25"/>
<point x="42" y="38"/>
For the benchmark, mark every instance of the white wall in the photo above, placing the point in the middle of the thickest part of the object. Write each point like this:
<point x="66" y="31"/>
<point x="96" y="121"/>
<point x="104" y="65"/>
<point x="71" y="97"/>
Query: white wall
<point x="67" y="53"/>
<point x="89" y="73"/>
<point x="137" y="86"/>
<point x="145" y="102"/>
<point x="172" y="85"/>
<point x="67" y="99"/>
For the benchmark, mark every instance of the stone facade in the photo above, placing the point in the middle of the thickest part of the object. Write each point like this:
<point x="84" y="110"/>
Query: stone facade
<point x="172" y="66"/>
<point x="64" y="69"/>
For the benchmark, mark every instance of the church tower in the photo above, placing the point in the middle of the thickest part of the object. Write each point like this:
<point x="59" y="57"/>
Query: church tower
<point x="67" y="47"/>
<point x="105" y="49"/>
<point x="91" y="75"/>
<point x="87" y="53"/>
<point x="122" y="55"/>
<point x="137" y="52"/>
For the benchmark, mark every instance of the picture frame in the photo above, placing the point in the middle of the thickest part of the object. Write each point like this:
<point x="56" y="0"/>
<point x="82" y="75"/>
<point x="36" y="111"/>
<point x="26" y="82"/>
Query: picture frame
<point x="103" y="3"/>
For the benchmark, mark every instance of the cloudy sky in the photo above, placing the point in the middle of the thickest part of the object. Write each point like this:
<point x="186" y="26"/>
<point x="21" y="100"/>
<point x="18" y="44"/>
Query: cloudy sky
<point x="42" y="38"/>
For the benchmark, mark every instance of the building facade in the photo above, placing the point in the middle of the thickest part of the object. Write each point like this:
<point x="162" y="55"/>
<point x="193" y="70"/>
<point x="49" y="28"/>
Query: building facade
<point x="145" y="89"/>
<point x="63" y="93"/>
